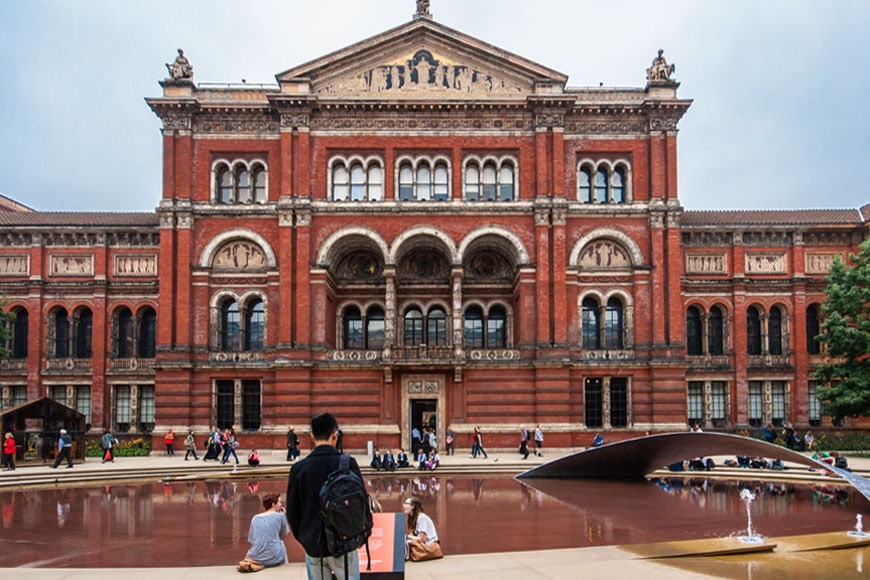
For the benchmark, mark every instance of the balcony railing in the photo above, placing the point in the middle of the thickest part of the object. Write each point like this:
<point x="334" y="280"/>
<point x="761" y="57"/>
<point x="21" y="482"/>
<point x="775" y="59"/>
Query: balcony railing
<point x="355" y="355"/>
<point x="422" y="352"/>
<point x="492" y="354"/>
<point x="605" y="355"/>
<point x="13" y="365"/>
<point x="131" y="365"/>
<point x="70" y="365"/>
<point x="770" y="361"/>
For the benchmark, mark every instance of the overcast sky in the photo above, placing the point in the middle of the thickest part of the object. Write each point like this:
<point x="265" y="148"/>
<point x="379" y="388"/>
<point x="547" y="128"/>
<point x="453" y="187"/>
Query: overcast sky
<point x="779" y="119"/>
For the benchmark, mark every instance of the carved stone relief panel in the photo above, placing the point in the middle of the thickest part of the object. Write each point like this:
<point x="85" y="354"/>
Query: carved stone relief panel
<point x="423" y="74"/>
<point x="239" y="255"/>
<point x="135" y="265"/>
<point x="71" y="265"/>
<point x="765" y="264"/>
<point x="818" y="263"/>
<point x="706" y="263"/>
<point x="604" y="254"/>
<point x="12" y="265"/>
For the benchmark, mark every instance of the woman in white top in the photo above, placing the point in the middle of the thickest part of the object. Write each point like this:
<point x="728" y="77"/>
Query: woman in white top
<point x="418" y="526"/>
<point x="267" y="536"/>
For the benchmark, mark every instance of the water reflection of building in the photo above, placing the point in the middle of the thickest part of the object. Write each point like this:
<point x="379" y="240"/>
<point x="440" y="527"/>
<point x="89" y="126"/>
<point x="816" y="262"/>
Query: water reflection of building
<point x="420" y="227"/>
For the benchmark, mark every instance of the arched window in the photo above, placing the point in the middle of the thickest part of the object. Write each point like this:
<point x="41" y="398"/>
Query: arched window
<point x="243" y="185"/>
<point x="813" y="330"/>
<point x="84" y="324"/>
<point x="591" y="336"/>
<point x="225" y="185"/>
<point x="436" y="334"/>
<point x="413" y="327"/>
<point x="716" y="331"/>
<point x="753" y="331"/>
<point x="375" y="328"/>
<point x="353" y="334"/>
<point x="472" y="183"/>
<point x="147" y="333"/>
<point x="490" y="180"/>
<point x="340" y="183"/>
<point x="61" y="333"/>
<point x="406" y="182"/>
<point x="442" y="185"/>
<point x="775" y="331"/>
<point x="613" y="324"/>
<point x="126" y="333"/>
<point x="19" y="333"/>
<point x="260" y="193"/>
<point x="357" y="182"/>
<point x="496" y="328"/>
<point x="473" y="327"/>
<point x="584" y="186"/>
<point x="376" y="183"/>
<point x="230" y="326"/>
<point x="601" y="186"/>
<point x="693" y="331"/>
<point x="506" y="182"/>
<point x="618" y="186"/>
<point x="489" y="185"/>
<point x="255" y="325"/>
<point x="424" y="182"/>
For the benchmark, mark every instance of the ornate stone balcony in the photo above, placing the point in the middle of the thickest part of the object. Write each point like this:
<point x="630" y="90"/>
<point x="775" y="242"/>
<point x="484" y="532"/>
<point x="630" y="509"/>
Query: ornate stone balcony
<point x="605" y="355"/>
<point x="10" y="366"/>
<point x="770" y="361"/>
<point x="709" y="361"/>
<point x="69" y="365"/>
<point x="131" y="365"/>
<point x="355" y="355"/>
<point x="493" y="354"/>
<point x="423" y="353"/>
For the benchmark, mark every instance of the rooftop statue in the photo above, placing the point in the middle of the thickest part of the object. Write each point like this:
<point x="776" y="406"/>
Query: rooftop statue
<point x="422" y="9"/>
<point x="181" y="69"/>
<point x="660" y="70"/>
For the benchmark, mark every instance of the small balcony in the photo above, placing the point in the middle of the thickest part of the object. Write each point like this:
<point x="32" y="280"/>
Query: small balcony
<point x="607" y="355"/>
<point x="131" y="365"/>
<point x="770" y="361"/>
<point x="710" y="362"/>
<point x="13" y="366"/>
<point x="423" y="353"/>
<point x="69" y="365"/>
<point x="367" y="356"/>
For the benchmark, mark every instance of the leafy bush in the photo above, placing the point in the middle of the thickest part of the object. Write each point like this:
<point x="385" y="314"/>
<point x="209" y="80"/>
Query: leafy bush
<point x="135" y="447"/>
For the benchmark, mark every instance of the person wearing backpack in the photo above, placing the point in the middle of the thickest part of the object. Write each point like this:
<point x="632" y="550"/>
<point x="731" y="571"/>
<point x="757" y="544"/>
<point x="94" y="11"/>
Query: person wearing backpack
<point x="64" y="450"/>
<point x="329" y="526"/>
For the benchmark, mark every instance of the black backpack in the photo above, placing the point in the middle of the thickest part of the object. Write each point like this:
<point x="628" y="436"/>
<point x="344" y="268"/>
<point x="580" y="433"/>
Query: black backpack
<point x="67" y="440"/>
<point x="346" y="511"/>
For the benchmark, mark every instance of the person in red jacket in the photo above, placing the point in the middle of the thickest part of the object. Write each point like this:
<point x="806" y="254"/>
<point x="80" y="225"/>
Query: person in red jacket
<point x="9" y="453"/>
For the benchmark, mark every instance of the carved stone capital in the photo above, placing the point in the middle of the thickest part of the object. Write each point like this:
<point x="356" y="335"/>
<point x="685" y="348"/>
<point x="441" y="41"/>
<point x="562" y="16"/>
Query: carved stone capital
<point x="177" y="123"/>
<point x="290" y="120"/>
<point x="549" y="120"/>
<point x="657" y="124"/>
<point x="656" y="220"/>
<point x="285" y="218"/>
<point x="184" y="221"/>
<point x="542" y="217"/>
<point x="303" y="218"/>
<point x="560" y="217"/>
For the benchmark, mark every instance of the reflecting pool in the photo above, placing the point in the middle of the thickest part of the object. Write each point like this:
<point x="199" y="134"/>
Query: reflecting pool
<point x="206" y="522"/>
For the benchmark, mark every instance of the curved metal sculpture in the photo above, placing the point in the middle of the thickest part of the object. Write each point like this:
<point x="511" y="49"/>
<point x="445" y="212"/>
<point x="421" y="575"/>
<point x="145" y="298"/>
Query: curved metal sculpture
<point x="634" y="458"/>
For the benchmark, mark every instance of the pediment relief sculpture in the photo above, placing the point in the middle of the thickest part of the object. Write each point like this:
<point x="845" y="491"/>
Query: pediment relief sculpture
<point x="239" y="255"/>
<point x="604" y="254"/>
<point x="424" y="74"/>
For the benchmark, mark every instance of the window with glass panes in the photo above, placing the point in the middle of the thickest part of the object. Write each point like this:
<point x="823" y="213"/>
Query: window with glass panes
<point x="375" y="328"/>
<point x="815" y="410"/>
<point x="719" y="403"/>
<point x="755" y="403"/>
<point x="122" y="408"/>
<point x="474" y="327"/>
<point x="437" y="327"/>
<point x="777" y="400"/>
<point x="695" y="402"/>
<point x="17" y="395"/>
<point x="593" y="403"/>
<point x="225" y="408"/>
<point x="619" y="402"/>
<point x="251" y="405"/>
<point x="83" y="402"/>
<point x="353" y="329"/>
<point x="57" y="393"/>
<point x="413" y="328"/>
<point x="496" y="328"/>
<point x="146" y="408"/>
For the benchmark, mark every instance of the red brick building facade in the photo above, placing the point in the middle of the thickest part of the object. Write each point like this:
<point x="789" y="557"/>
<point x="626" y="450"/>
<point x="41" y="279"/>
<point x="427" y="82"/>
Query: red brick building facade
<point x="420" y="229"/>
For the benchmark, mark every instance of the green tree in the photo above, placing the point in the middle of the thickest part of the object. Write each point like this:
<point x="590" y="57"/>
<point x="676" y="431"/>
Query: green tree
<point x="845" y="380"/>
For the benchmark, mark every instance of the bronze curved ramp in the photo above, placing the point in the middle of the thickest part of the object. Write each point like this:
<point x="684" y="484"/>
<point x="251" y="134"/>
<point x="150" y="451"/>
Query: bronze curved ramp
<point x="634" y="458"/>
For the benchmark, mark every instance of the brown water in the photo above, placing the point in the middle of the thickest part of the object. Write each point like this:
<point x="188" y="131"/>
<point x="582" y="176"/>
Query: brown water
<point x="206" y="523"/>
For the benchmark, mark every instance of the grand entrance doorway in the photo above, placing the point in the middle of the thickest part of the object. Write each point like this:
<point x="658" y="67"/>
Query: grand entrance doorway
<point x="422" y="407"/>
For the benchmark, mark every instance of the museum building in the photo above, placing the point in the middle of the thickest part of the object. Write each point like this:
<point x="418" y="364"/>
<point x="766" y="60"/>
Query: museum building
<point x="420" y="229"/>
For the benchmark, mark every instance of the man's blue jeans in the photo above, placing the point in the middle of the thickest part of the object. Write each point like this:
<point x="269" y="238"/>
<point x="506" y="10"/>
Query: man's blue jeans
<point x="319" y="568"/>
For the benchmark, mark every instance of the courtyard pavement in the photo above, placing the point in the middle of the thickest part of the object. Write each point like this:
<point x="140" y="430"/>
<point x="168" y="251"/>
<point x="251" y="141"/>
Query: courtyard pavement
<point x="587" y="563"/>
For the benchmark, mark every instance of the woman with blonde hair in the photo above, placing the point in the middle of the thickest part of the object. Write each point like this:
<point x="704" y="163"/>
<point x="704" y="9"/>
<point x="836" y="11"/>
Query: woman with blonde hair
<point x="422" y="538"/>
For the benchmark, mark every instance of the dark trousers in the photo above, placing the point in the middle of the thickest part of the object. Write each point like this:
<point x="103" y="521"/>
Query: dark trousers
<point x="190" y="451"/>
<point x="9" y="460"/>
<point x="64" y="453"/>
<point x="108" y="455"/>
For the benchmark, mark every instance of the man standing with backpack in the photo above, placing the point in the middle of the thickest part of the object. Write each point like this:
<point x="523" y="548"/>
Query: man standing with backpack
<point x="64" y="450"/>
<point x="327" y="506"/>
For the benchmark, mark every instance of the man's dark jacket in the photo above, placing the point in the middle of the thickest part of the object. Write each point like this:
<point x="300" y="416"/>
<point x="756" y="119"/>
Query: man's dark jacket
<point x="303" y="497"/>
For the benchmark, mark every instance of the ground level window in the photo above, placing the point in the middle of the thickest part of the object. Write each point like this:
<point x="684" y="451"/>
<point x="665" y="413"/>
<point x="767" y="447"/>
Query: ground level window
<point x="815" y="411"/>
<point x="225" y="404"/>
<point x="250" y="405"/>
<point x="146" y="408"/>
<point x="756" y="408"/>
<point x="719" y="403"/>
<point x="122" y="408"/>
<point x="696" y="403"/>
<point x="593" y="403"/>
<point x="619" y="402"/>
<point x="248" y="414"/>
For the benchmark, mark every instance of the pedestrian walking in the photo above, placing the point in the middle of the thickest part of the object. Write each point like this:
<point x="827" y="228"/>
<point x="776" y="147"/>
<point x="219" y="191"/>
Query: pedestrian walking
<point x="64" y="450"/>
<point x="477" y="445"/>
<point x="9" y="452"/>
<point x="292" y="445"/>
<point x="539" y="441"/>
<point x="449" y="439"/>
<point x="524" y="442"/>
<point x="190" y="447"/>
<point x="108" y="442"/>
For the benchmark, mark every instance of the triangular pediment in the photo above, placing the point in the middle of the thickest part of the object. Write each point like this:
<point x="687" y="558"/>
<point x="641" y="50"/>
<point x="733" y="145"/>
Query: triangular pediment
<point x="421" y="60"/>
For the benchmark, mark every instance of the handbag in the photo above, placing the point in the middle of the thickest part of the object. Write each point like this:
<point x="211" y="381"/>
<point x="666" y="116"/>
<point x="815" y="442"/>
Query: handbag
<point x="421" y="552"/>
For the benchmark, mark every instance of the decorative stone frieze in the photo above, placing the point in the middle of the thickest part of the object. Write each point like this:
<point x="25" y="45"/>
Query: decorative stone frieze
<point x="706" y="263"/>
<point x="235" y="357"/>
<point x="290" y="120"/>
<point x="239" y="255"/>
<point x="14" y="265"/>
<point x="71" y="265"/>
<point x="820" y="263"/>
<point x="767" y="238"/>
<point x="765" y="263"/>
<point x="135" y="265"/>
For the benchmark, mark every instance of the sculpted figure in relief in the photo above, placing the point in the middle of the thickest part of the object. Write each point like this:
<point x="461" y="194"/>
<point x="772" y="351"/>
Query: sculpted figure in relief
<point x="181" y="69"/>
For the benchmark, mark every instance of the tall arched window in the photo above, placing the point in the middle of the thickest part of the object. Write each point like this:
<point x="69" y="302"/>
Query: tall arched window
<point x="357" y="182"/>
<point x="490" y="180"/>
<point x="424" y="182"/>
<point x="19" y="333"/>
<point x="753" y="331"/>
<point x="413" y="327"/>
<point x="340" y="183"/>
<point x="84" y="325"/>
<point x="584" y="186"/>
<point x="260" y="193"/>
<point x="473" y="327"/>
<point x="613" y="324"/>
<point x="241" y="182"/>
<point x="375" y="183"/>
<point x="601" y="186"/>
<point x="255" y="325"/>
<point x="694" y="341"/>
<point x="591" y="337"/>
<point x="618" y="186"/>
<point x="715" y="331"/>
<point x="436" y="334"/>
<point x="441" y="186"/>
<point x="775" y="331"/>
<point x="375" y="328"/>
<point x="147" y="333"/>
<point x="813" y="330"/>
<point x="496" y="328"/>
<point x="506" y="182"/>
<point x="406" y="182"/>
<point x="472" y="183"/>
<point x="230" y="326"/>
<point x="126" y="333"/>
<point x="243" y="185"/>
<point x="353" y="331"/>
<point x="61" y="333"/>
<point x="225" y="185"/>
<point x="603" y="181"/>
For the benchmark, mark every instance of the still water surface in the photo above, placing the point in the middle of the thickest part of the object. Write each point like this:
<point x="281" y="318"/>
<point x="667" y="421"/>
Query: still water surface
<point x="206" y="523"/>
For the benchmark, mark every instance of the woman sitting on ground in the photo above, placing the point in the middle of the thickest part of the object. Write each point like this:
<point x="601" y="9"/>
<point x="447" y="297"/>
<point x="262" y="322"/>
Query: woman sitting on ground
<point x="266" y="537"/>
<point x="420" y="532"/>
<point x="254" y="458"/>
